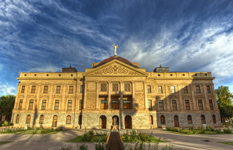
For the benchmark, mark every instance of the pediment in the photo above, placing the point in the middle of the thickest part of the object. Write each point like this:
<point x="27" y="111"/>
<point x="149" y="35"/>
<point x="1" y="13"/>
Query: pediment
<point x="115" y="68"/>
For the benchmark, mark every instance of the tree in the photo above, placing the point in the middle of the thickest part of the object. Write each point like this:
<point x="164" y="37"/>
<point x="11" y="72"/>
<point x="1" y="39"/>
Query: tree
<point x="224" y="100"/>
<point x="6" y="105"/>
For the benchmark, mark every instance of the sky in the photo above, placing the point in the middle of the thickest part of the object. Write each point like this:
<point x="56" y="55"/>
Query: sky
<point x="46" y="36"/>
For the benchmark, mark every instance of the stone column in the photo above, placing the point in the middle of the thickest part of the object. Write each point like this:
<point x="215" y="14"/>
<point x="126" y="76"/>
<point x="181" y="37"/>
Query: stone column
<point x="64" y="102"/>
<point x="121" y="95"/>
<point x="109" y="94"/>
<point x="25" y="97"/>
<point x="17" y="97"/>
<point x="133" y="95"/>
<point x="167" y="98"/>
<point x="193" y="98"/>
<point x="180" y="97"/>
<point x="207" y="106"/>
<point x="85" y="96"/>
<point x="50" y="101"/>
<point x="145" y="100"/>
<point x="97" y="95"/>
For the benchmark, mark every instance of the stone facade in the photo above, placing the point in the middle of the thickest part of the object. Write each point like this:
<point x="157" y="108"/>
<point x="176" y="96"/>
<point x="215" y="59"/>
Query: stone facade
<point x="77" y="98"/>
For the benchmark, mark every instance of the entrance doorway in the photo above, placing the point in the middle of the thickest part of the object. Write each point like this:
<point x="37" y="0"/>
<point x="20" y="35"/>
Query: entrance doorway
<point x="128" y="122"/>
<point x="176" y="121"/>
<point x="54" y="121"/>
<point x="115" y="120"/>
<point x="103" y="122"/>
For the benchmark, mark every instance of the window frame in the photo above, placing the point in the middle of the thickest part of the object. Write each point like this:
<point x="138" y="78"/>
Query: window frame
<point x="190" y="121"/>
<point x="23" y="89"/>
<point x="202" y="119"/>
<point x="160" y="91"/>
<point x="103" y="87"/>
<point x="211" y="104"/>
<point x="186" y="90"/>
<point x="105" y="104"/>
<point x="214" y="119"/>
<point x="127" y="87"/>
<point x="43" y="102"/>
<point x="208" y="89"/>
<point x="150" y="102"/>
<point x="148" y="88"/>
<point x="187" y="102"/>
<point x="117" y="87"/>
<point x="17" y="119"/>
<point x="161" y="102"/>
<point x="80" y="104"/>
<point x="126" y="103"/>
<point x="174" y="102"/>
<point x="20" y="104"/>
<point x="33" y="90"/>
<point x="69" y="102"/>
<point x="56" y="102"/>
<point x="162" y="119"/>
<point x="172" y="92"/>
<point x="113" y="102"/>
<point x="58" y="89"/>
<point x="46" y="89"/>
<point x="71" y="89"/>
<point x="40" y="119"/>
<point x="28" y="119"/>
<point x="81" y="88"/>
<point x="201" y="104"/>
<point x="198" y="89"/>
<point x="150" y="120"/>
<point x="67" y="119"/>
<point x="31" y="102"/>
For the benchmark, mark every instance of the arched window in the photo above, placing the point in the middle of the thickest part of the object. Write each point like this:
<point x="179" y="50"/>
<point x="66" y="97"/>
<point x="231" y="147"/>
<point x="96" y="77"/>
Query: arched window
<point x="28" y="119"/>
<point x="202" y="119"/>
<point x="162" y="119"/>
<point x="151" y="120"/>
<point x="189" y="119"/>
<point x="68" y="120"/>
<point x="17" y="119"/>
<point x="214" y="119"/>
<point x="41" y="119"/>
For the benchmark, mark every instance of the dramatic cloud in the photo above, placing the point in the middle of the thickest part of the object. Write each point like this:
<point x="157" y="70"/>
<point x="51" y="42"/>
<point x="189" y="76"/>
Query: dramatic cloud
<point x="7" y="89"/>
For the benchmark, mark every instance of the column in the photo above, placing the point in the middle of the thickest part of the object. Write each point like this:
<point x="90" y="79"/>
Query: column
<point x="180" y="97"/>
<point x="167" y="98"/>
<point x="121" y="95"/>
<point x="133" y="95"/>
<point x="17" y="97"/>
<point x="97" y="95"/>
<point x="25" y="97"/>
<point x="145" y="100"/>
<point x="85" y="95"/>
<point x="109" y="94"/>
<point x="193" y="98"/>
<point x="50" y="102"/>
<point x="64" y="102"/>
<point x="207" y="106"/>
<point x="37" y="100"/>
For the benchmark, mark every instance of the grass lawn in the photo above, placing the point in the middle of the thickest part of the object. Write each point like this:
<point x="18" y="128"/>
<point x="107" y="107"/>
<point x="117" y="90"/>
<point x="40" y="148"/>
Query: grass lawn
<point x="4" y="142"/>
<point x="229" y="143"/>
<point x="96" y="139"/>
<point x="152" y="140"/>
<point x="206" y="132"/>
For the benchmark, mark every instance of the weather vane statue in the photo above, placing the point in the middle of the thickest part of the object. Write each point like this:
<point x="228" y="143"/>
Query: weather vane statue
<point x="115" y="48"/>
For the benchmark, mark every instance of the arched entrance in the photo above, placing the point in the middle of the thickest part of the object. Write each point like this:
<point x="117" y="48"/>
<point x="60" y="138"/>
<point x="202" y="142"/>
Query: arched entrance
<point x="128" y="122"/>
<point x="103" y="122"/>
<point x="54" y="121"/>
<point x="115" y="120"/>
<point x="176" y="121"/>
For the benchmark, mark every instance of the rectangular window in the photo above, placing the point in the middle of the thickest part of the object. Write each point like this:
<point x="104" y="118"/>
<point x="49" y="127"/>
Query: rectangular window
<point x="23" y="89"/>
<point x="70" y="89"/>
<point x="208" y="89"/>
<point x="185" y="89"/>
<point x="126" y="104"/>
<point x="104" y="104"/>
<point x="127" y="87"/>
<point x="69" y="107"/>
<point x="172" y="88"/>
<point x="20" y="104"/>
<point x="30" y="105"/>
<point x="160" y="90"/>
<point x="58" y="90"/>
<point x="211" y="105"/>
<point x="150" y="104"/>
<point x="81" y="88"/>
<point x="200" y="105"/>
<point x="80" y="105"/>
<point x="33" y="89"/>
<point x="115" y="87"/>
<point x="115" y="104"/>
<point x="148" y="89"/>
<point x="56" y="107"/>
<point x="45" y="89"/>
<point x="43" y="107"/>
<point x="161" y="106"/>
<point x="198" y="89"/>
<point x="187" y="105"/>
<point x="174" y="106"/>
<point x="103" y="87"/>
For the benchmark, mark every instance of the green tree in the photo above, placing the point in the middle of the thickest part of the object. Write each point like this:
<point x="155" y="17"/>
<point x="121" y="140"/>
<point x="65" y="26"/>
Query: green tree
<point x="224" y="99"/>
<point x="6" y="105"/>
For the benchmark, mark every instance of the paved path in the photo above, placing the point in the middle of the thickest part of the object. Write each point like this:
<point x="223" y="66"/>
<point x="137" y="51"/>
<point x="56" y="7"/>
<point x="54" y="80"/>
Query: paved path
<point x="58" y="140"/>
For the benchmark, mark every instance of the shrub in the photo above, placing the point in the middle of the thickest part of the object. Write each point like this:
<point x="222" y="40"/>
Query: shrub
<point x="207" y="128"/>
<point x="194" y="131"/>
<point x="168" y="128"/>
<point x="144" y="137"/>
<point x="99" y="146"/>
<point x="191" y="128"/>
<point x="227" y="130"/>
<point x="133" y="136"/>
<point x="218" y="131"/>
<point x="126" y="136"/>
<point x="82" y="147"/>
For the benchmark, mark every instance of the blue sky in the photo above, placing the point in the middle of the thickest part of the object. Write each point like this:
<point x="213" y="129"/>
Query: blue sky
<point x="185" y="35"/>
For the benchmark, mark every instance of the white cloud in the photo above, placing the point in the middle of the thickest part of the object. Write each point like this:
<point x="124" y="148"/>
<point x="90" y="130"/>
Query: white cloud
<point x="7" y="89"/>
<point x="48" y="68"/>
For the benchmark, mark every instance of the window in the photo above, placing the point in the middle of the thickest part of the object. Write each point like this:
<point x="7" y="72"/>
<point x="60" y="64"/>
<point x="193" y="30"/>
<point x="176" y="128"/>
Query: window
<point x="189" y="119"/>
<point x="81" y="88"/>
<point x="160" y="90"/>
<point x="115" y="104"/>
<point x="104" y="104"/>
<point x="198" y="89"/>
<point x="41" y="119"/>
<point x="103" y="87"/>
<point x="172" y="88"/>
<point x="148" y="89"/>
<point x="33" y="89"/>
<point x="30" y="105"/>
<point x="187" y="105"/>
<point x="162" y="119"/>
<point x="69" y="108"/>
<point x="174" y="106"/>
<point x="23" y="89"/>
<point x="28" y="119"/>
<point x="214" y="119"/>
<point x="200" y="105"/>
<point x="208" y="89"/>
<point x="58" y="90"/>
<point x="115" y="86"/>
<point x="56" y="105"/>
<point x="150" y="104"/>
<point x="127" y="86"/>
<point x="126" y="104"/>
<point x="45" y="89"/>
<point x="43" y="107"/>
<point x="17" y="119"/>
<point x="202" y="119"/>
<point x="161" y="106"/>
<point x="20" y="104"/>
<point x="150" y="120"/>
<point x="68" y="120"/>
<point x="185" y="89"/>
<point x="70" y="89"/>
<point x="80" y="105"/>
<point x="211" y="105"/>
